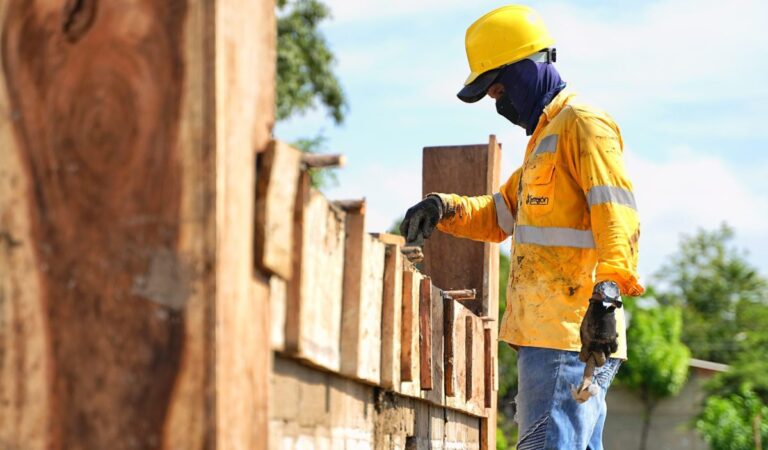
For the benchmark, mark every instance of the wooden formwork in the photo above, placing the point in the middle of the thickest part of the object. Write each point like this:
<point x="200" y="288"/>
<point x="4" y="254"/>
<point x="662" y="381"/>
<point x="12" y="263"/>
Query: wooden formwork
<point x="354" y="323"/>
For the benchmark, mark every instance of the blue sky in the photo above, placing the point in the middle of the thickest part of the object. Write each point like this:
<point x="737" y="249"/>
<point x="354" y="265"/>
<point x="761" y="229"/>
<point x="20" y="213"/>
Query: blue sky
<point x="687" y="82"/>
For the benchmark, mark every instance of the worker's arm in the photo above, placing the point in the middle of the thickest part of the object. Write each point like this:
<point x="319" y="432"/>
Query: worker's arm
<point x="488" y="218"/>
<point x="599" y="166"/>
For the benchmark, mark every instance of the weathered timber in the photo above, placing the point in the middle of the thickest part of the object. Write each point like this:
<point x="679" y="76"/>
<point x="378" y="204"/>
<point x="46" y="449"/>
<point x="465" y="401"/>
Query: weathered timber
<point x="127" y="290"/>
<point x="436" y="395"/>
<point x="488" y="360"/>
<point x="410" y="359"/>
<point x="278" y="170"/>
<point x="391" y="312"/>
<point x="455" y="263"/>
<point x="458" y="263"/>
<point x="278" y="300"/>
<point x="362" y="299"/>
<point x="313" y="320"/>
<point x="313" y="160"/>
<point x="448" y="350"/>
<point x="425" y="334"/>
<point x="469" y="359"/>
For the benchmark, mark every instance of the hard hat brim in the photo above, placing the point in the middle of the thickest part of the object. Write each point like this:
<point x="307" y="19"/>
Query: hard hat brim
<point x="477" y="89"/>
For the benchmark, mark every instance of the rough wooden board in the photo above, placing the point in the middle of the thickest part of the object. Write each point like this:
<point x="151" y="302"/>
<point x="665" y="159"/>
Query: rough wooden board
<point x="456" y="263"/>
<point x="409" y="346"/>
<point x="278" y="170"/>
<point x="313" y="321"/>
<point x="459" y="325"/>
<point x="362" y="300"/>
<point x="437" y="394"/>
<point x="391" y="317"/>
<point x="107" y="261"/>
<point x="477" y="402"/>
<point x="426" y="326"/>
<point x="278" y="292"/>
<point x="461" y="264"/>
<point x="488" y="371"/>
<point x="388" y="238"/>
<point x="449" y="347"/>
<point x="245" y="103"/>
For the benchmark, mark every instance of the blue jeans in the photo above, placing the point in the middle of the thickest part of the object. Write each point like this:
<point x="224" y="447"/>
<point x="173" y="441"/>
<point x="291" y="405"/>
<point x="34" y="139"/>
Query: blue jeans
<point x="547" y="415"/>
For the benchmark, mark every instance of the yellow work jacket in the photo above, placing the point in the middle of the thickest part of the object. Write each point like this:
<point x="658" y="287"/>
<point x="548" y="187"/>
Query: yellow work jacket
<point x="573" y="220"/>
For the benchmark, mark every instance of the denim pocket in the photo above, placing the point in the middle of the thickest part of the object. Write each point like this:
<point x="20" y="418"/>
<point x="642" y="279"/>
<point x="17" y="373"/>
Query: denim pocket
<point x="604" y="375"/>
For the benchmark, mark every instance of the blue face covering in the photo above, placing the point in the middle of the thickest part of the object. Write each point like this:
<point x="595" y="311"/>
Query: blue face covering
<point x="528" y="87"/>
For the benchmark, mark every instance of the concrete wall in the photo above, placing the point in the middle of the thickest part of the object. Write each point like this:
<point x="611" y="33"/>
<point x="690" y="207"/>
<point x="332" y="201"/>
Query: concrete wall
<point x="671" y="424"/>
<point x="315" y="409"/>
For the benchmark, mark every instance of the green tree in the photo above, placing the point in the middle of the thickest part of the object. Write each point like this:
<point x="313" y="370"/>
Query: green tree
<point x="719" y="292"/>
<point x="657" y="363"/>
<point x="733" y="422"/>
<point x="304" y="61"/>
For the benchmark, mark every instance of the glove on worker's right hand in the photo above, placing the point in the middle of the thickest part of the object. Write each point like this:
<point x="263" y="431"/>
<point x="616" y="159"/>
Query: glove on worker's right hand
<point x="421" y="220"/>
<point x="599" y="338"/>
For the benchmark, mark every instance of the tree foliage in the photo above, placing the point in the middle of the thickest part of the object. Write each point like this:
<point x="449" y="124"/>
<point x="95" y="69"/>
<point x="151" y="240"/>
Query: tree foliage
<point x="657" y="361"/>
<point x="719" y="292"/>
<point x="734" y="422"/>
<point x="304" y="61"/>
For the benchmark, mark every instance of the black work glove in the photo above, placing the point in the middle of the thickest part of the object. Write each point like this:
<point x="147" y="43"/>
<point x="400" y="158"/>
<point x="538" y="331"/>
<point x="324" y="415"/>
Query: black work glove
<point x="598" y="329"/>
<point x="421" y="220"/>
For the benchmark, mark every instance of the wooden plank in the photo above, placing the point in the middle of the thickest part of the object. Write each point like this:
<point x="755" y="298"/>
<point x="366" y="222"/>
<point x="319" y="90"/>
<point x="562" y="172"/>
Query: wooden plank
<point x="461" y="264"/>
<point x="409" y="346"/>
<point x="278" y="292"/>
<point x="455" y="263"/>
<point x="437" y="394"/>
<point x="448" y="351"/>
<point x="131" y="317"/>
<point x="469" y="347"/>
<point x="425" y="334"/>
<point x="488" y="370"/>
<point x="278" y="170"/>
<point x="391" y="314"/>
<point x="362" y="300"/>
<point x="313" y="324"/>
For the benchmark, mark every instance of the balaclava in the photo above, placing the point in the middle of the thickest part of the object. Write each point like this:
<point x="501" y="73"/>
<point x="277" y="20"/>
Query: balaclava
<point x="528" y="87"/>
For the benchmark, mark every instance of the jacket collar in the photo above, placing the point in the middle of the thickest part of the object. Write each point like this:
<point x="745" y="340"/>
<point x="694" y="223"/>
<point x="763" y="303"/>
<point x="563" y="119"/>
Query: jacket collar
<point x="561" y="100"/>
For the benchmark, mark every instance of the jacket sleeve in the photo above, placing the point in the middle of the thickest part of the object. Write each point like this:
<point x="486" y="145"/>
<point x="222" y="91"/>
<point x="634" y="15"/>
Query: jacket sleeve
<point x="599" y="166"/>
<point x="487" y="218"/>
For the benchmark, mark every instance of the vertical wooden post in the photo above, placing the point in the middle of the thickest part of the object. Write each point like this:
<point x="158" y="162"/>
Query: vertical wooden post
<point x="130" y="313"/>
<point x="425" y="334"/>
<point x="458" y="263"/>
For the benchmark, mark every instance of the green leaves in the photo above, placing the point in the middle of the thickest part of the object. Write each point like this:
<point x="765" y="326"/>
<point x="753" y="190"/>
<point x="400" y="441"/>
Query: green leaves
<point x="304" y="61"/>
<point x="734" y="422"/>
<point x="657" y="364"/>
<point x="720" y="293"/>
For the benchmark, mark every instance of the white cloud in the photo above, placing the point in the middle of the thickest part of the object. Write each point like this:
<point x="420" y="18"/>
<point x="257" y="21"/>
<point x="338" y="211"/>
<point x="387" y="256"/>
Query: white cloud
<point x="688" y="192"/>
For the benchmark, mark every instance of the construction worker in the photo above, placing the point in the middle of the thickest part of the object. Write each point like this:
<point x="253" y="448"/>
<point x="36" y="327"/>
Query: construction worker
<point x="572" y="217"/>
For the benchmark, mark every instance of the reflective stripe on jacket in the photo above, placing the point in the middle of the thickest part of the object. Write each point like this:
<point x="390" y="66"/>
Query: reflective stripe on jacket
<point x="573" y="220"/>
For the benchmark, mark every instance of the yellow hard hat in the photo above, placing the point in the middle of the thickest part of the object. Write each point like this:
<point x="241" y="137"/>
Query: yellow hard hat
<point x="503" y="36"/>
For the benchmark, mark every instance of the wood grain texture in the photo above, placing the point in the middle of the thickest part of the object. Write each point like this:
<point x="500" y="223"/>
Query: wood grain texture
<point x="391" y="316"/>
<point x="96" y="132"/>
<point x="129" y="129"/>
<point x="278" y="170"/>
<point x="425" y="335"/>
<point x="409" y="343"/>
<point x="449" y="349"/>
<point x="457" y="263"/>
<point x="313" y="319"/>
<point x="437" y="394"/>
<point x="362" y="299"/>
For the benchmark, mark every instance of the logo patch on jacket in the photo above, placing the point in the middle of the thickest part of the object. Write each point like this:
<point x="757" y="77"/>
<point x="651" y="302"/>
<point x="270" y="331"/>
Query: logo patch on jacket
<point x="540" y="201"/>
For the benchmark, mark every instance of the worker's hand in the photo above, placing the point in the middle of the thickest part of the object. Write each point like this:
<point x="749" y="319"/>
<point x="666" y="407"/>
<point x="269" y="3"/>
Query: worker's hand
<point x="598" y="329"/>
<point x="421" y="220"/>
